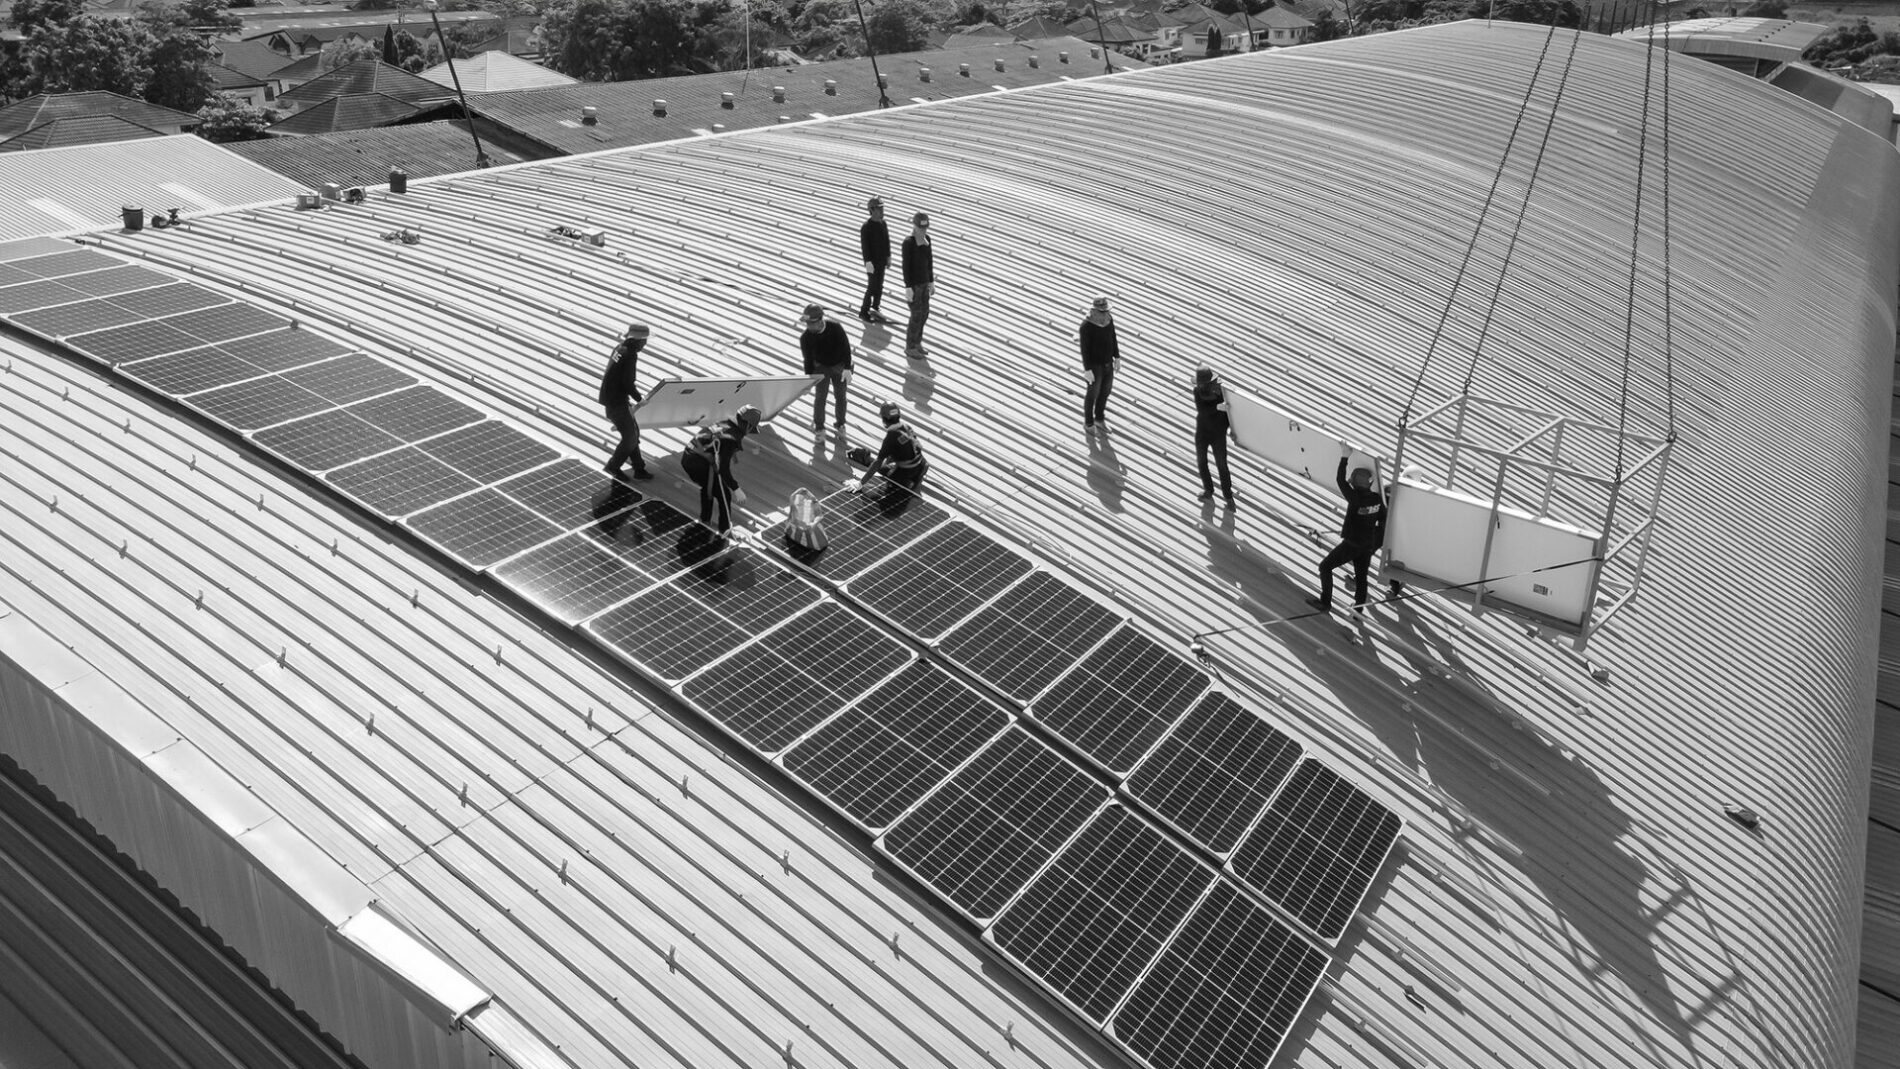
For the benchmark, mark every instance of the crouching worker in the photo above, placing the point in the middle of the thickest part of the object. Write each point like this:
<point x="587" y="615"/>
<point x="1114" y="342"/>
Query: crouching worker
<point x="901" y="458"/>
<point x="708" y="462"/>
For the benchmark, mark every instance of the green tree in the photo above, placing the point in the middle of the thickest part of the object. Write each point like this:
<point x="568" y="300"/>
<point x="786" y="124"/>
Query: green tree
<point x="1326" y="28"/>
<point x="1766" y="9"/>
<point x="826" y="29"/>
<point x="179" y="52"/>
<point x="87" y="53"/>
<point x="347" y="50"/>
<point x="581" y="39"/>
<point x="657" y="38"/>
<point x="231" y="118"/>
<point x="30" y="15"/>
<point x="210" y="17"/>
<point x="899" y="26"/>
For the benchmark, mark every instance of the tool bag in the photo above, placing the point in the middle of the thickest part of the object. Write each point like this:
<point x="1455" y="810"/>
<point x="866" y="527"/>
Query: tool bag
<point x="804" y="524"/>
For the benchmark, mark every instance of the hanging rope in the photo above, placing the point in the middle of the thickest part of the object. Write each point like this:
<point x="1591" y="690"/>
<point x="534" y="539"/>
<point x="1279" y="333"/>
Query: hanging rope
<point x="1477" y="231"/>
<point x="1669" y="325"/>
<point x="1636" y="233"/>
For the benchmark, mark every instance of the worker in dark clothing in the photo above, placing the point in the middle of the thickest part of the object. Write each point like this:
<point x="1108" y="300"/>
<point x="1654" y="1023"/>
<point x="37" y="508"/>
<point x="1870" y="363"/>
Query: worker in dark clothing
<point x="827" y="351"/>
<point x="874" y="241"/>
<point x="901" y="457"/>
<point x="708" y="462"/>
<point x="1360" y="536"/>
<point x="920" y="279"/>
<point x="1101" y="357"/>
<point x="1210" y="432"/>
<point x="618" y="395"/>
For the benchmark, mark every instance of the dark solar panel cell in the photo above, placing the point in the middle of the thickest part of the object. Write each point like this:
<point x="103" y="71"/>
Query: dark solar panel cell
<point x="482" y="528"/>
<point x="1023" y="640"/>
<point x="1214" y="772"/>
<point x="326" y="440"/>
<point x="24" y="296"/>
<point x="1226" y="990"/>
<point x="416" y="413"/>
<point x="747" y="588"/>
<point x="1317" y="848"/>
<point x="281" y="350"/>
<point x="572" y="578"/>
<point x="248" y="406"/>
<point x="991" y="827"/>
<point x="115" y="280"/>
<point x="347" y="379"/>
<point x="940" y="579"/>
<point x="1118" y="702"/>
<point x="778" y="688"/>
<point x="95" y="313"/>
<point x="227" y="322"/>
<point x="1101" y="911"/>
<point x="190" y="372"/>
<point x="136" y="341"/>
<point x="63" y="259"/>
<point x="885" y="752"/>
<point x="399" y="483"/>
<point x="26" y="247"/>
<point x="666" y="632"/>
<point x="570" y="494"/>
<point x="489" y="452"/>
<point x="862" y="529"/>
<point x="653" y="536"/>
<point x="167" y="300"/>
<point x="13" y="276"/>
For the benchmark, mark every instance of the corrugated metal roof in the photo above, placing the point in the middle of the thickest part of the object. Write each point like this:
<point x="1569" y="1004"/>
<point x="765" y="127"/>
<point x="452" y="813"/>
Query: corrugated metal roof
<point x="1570" y="892"/>
<point x="494" y="71"/>
<point x="1778" y="39"/>
<point x="61" y="190"/>
<point x="359" y="111"/>
<point x="83" y="130"/>
<point x="365" y="76"/>
<point x="22" y="115"/>
<point x="365" y="157"/>
<point x="254" y="58"/>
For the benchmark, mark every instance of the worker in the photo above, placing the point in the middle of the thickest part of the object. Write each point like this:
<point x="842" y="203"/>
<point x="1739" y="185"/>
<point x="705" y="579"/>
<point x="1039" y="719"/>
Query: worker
<point x="901" y="457"/>
<point x="827" y="351"/>
<point x="874" y="242"/>
<point x="618" y="396"/>
<point x="708" y="462"/>
<point x="1101" y="358"/>
<point x="920" y="281"/>
<point x="1211" y="427"/>
<point x="1361" y="535"/>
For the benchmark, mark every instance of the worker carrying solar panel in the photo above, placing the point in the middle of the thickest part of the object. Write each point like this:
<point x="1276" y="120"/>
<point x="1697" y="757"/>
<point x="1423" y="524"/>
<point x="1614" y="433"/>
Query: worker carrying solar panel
<point x="708" y="462"/>
<point x="901" y="458"/>
<point x="1360" y="536"/>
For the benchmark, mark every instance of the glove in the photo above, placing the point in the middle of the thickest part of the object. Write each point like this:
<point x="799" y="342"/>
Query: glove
<point x="1222" y="406"/>
<point x="868" y="269"/>
<point x="738" y="496"/>
<point x="846" y="377"/>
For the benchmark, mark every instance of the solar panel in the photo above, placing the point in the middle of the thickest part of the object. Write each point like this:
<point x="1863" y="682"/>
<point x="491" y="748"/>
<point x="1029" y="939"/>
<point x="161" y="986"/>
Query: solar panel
<point x="227" y="322"/>
<point x="1023" y="640"/>
<point x="653" y="536"/>
<point x="190" y="372"/>
<point x="747" y="588"/>
<point x="13" y="276"/>
<point x="1225" y="991"/>
<point x="1093" y="920"/>
<point x="981" y="835"/>
<point x="481" y="528"/>
<point x="346" y="379"/>
<point x="939" y="580"/>
<point x="878" y="757"/>
<point x="263" y="402"/>
<point x="861" y="530"/>
<point x="571" y="578"/>
<point x="80" y="317"/>
<point x="415" y="413"/>
<point x="137" y="341"/>
<point x="488" y="452"/>
<point x="28" y="293"/>
<point x="166" y="300"/>
<point x="1117" y="702"/>
<point x="401" y="482"/>
<point x="25" y="247"/>
<point x="281" y="350"/>
<point x="570" y="494"/>
<point x="774" y="690"/>
<point x="63" y="260"/>
<point x="123" y="278"/>
<point x="667" y="632"/>
<point x="1214" y="772"/>
<point x="1317" y="848"/>
<point x="326" y="440"/>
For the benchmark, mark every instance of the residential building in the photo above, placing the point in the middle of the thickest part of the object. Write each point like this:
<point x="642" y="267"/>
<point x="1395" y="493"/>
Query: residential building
<point x="495" y="71"/>
<point x="1280" y="27"/>
<point x="22" y="115"/>
<point x="77" y="130"/>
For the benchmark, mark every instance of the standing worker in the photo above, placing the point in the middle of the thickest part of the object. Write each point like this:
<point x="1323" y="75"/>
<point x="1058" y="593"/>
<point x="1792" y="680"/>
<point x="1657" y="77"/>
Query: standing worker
<point x="920" y="278"/>
<point x="874" y="241"/>
<point x="1210" y="432"/>
<point x="708" y="462"/>
<point x="901" y="457"/>
<point x="1101" y="358"/>
<point x="618" y="395"/>
<point x="827" y="351"/>
<point x="1360" y="536"/>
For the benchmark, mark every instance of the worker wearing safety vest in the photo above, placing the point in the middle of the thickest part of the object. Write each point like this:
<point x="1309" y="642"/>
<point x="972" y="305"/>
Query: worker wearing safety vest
<point x="708" y="462"/>
<point x="1360" y="536"/>
<point x="901" y="457"/>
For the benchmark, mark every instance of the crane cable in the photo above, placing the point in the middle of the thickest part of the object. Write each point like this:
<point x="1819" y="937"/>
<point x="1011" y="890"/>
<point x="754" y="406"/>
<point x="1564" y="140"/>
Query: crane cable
<point x="1636" y="233"/>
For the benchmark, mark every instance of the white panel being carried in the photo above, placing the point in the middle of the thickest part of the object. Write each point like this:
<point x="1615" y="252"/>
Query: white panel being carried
<point x="1298" y="446"/>
<point x="1541" y="565"/>
<point x="696" y="402"/>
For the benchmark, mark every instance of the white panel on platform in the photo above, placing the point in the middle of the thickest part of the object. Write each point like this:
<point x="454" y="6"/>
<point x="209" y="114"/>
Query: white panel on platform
<point x="1284" y="439"/>
<point x="695" y="402"/>
<point x="1440" y="534"/>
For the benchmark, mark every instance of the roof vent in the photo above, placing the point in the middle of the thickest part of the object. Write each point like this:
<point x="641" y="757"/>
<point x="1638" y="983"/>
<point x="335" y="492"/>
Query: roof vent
<point x="659" y="107"/>
<point x="1062" y="57"/>
<point x="963" y="69"/>
<point x="884" y="81"/>
<point x="1034" y="61"/>
<point x="999" y="63"/>
<point x="590" y="115"/>
<point x="923" y="74"/>
<point x="719" y="128"/>
<point x="725" y="100"/>
<point x="785" y="118"/>
<point x="778" y="94"/>
<point x="1094" y="53"/>
<point x="831" y="87"/>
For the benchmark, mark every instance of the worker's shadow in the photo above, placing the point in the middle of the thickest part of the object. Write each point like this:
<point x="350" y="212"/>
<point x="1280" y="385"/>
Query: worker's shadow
<point x="876" y="337"/>
<point x="1106" y="476"/>
<point x="920" y="385"/>
<point x="829" y="449"/>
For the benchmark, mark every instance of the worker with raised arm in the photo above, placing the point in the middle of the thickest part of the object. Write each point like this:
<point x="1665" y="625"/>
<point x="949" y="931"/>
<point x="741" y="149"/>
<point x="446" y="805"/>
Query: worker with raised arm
<point x="708" y="462"/>
<point x="1361" y="535"/>
<point x="901" y="458"/>
<point x="618" y="396"/>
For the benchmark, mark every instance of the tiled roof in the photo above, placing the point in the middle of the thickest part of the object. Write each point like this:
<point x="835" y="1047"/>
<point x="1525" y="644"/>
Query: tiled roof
<point x="1117" y="30"/>
<point x="22" y="115"/>
<point x="302" y="69"/>
<point x="254" y="58"/>
<point x="364" y="24"/>
<point x="365" y="157"/>
<point x="982" y="33"/>
<point x="81" y="130"/>
<point x="495" y="71"/>
<point x="366" y="76"/>
<point x="58" y="190"/>
<point x="227" y="77"/>
<point x="359" y="111"/>
<point x="1280" y="18"/>
<point x="1039" y="28"/>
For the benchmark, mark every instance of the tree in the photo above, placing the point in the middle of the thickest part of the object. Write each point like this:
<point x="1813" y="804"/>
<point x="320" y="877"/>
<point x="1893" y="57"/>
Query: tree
<point x="30" y="15"/>
<point x="1326" y="27"/>
<point x="87" y="53"/>
<point x="389" y="45"/>
<point x="826" y="29"/>
<point x="232" y="118"/>
<point x="657" y="38"/>
<point x="1766" y="9"/>
<point x="581" y="38"/>
<point x="899" y="26"/>
<point x="210" y="17"/>
<point x="347" y="50"/>
<point x="179" y="54"/>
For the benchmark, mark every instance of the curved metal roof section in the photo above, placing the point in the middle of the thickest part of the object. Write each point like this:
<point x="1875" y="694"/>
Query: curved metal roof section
<point x="1570" y="892"/>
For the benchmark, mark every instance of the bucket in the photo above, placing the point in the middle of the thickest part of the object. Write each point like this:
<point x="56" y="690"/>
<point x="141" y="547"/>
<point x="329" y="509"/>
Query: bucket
<point x="134" y="217"/>
<point x="398" y="180"/>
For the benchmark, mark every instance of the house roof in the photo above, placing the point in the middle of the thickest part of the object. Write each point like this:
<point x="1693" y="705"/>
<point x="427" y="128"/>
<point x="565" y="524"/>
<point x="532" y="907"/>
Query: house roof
<point x="59" y="190"/>
<point x="302" y="69"/>
<point x="254" y="58"/>
<point x="369" y="75"/>
<point x="494" y="71"/>
<point x="364" y="24"/>
<point x="1039" y="28"/>
<point x="1775" y="39"/>
<point x="358" y="111"/>
<point x="22" y="115"/>
<point x="981" y="33"/>
<point x="1117" y="30"/>
<point x="1568" y="890"/>
<point x="365" y="157"/>
<point x="1280" y="18"/>
<point x="80" y="130"/>
<point x="225" y="77"/>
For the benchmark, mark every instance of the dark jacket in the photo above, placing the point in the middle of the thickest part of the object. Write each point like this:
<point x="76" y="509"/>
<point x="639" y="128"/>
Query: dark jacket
<point x="1208" y="397"/>
<point x="828" y="348"/>
<point x="1099" y="346"/>
<point x="874" y="240"/>
<point x="717" y="445"/>
<point x="920" y="264"/>
<point x="616" y="383"/>
<point x="901" y="446"/>
<point x="1365" y="512"/>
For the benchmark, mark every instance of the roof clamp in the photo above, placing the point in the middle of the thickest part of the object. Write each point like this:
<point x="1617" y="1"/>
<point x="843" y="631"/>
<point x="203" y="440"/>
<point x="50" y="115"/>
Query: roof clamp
<point x="462" y="795"/>
<point x="125" y="546"/>
<point x="563" y="870"/>
<point x="590" y="718"/>
<point x="260" y="501"/>
<point x="199" y="601"/>
<point x="283" y="656"/>
<point x="415" y="594"/>
<point x="371" y="723"/>
<point x="686" y="790"/>
<point x="497" y="653"/>
<point x="785" y="861"/>
<point x="192" y="464"/>
<point x="672" y="959"/>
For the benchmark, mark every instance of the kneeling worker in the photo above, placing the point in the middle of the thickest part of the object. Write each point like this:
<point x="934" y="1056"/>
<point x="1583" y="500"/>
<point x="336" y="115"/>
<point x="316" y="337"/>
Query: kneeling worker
<point x="901" y="457"/>
<point x="708" y="462"/>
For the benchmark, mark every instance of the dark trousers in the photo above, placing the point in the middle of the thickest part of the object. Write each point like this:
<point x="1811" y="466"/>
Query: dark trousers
<point x="621" y="416"/>
<point x="1095" y="400"/>
<point x="873" y="291"/>
<point x="714" y="495"/>
<point x="833" y="377"/>
<point x="1216" y="443"/>
<point x="912" y="478"/>
<point x="1360" y="557"/>
<point x="919" y="313"/>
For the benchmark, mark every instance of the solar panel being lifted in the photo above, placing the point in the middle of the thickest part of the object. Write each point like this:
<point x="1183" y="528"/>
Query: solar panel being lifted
<point x="1317" y="848"/>
<point x="1214" y="772"/>
<point x="1118" y="702"/>
<point x="940" y="579"/>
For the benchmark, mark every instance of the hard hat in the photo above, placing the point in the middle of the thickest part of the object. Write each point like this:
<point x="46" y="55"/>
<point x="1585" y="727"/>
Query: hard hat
<point x="748" y="415"/>
<point x="889" y="412"/>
